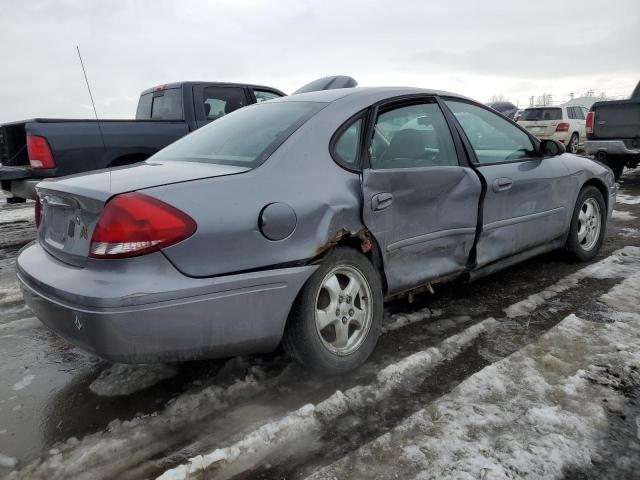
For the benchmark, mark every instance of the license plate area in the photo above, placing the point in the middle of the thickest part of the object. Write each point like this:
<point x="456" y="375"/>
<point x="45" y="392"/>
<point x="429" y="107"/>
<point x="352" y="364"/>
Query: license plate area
<point x="59" y="220"/>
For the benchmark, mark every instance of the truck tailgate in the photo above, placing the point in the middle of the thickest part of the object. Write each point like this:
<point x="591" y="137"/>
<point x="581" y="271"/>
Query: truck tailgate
<point x="617" y="120"/>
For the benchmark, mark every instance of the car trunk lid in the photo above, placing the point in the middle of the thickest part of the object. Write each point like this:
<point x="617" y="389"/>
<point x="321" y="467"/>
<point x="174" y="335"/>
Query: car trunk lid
<point x="71" y="206"/>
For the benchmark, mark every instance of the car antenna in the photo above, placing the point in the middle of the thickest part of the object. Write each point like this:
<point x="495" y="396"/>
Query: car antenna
<point x="95" y="112"/>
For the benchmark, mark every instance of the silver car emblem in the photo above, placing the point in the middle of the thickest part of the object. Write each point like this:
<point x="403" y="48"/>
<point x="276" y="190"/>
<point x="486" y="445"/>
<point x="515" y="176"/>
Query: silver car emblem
<point x="76" y="320"/>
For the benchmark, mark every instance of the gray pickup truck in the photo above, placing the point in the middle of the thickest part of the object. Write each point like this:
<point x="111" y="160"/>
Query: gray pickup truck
<point x="42" y="148"/>
<point x="613" y="133"/>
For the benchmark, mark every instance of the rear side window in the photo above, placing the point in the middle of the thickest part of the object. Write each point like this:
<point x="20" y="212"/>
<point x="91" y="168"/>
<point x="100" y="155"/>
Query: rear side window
<point x="264" y="95"/>
<point x="161" y="105"/>
<point x="412" y="136"/>
<point x="347" y="147"/>
<point x="540" y="114"/>
<point x="244" y="138"/>
<point x="219" y="101"/>
<point x="493" y="138"/>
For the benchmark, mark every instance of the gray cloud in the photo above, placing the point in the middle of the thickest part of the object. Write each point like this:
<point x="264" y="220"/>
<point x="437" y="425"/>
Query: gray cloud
<point x="471" y="47"/>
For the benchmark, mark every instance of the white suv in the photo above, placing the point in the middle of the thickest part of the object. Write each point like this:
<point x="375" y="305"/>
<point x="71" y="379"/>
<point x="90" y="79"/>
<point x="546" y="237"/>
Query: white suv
<point x="567" y="124"/>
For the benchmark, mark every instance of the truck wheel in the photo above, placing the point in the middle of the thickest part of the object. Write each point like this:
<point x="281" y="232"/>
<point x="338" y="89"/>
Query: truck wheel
<point x="587" y="225"/>
<point x="335" y="321"/>
<point x="572" y="146"/>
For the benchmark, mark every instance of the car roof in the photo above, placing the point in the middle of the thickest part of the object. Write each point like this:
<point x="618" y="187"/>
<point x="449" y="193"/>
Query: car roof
<point x="372" y="93"/>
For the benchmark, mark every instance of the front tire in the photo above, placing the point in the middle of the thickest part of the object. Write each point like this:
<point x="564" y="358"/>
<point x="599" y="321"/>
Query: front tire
<point x="587" y="225"/>
<point x="335" y="321"/>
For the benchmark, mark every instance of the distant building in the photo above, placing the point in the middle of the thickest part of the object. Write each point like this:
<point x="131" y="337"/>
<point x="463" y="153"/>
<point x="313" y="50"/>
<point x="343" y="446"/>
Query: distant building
<point x="584" y="101"/>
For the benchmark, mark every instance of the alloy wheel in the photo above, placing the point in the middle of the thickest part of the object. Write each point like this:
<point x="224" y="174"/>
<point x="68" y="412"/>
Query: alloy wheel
<point x="590" y="224"/>
<point x="343" y="313"/>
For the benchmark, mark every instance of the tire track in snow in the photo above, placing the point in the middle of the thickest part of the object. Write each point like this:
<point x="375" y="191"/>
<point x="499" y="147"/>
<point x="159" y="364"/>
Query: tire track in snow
<point x="300" y="429"/>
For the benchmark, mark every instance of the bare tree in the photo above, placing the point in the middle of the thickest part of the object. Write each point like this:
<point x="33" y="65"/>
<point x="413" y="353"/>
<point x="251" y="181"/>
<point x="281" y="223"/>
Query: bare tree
<point x="498" y="98"/>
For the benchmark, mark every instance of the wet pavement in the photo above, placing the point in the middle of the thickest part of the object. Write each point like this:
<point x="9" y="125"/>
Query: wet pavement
<point x="49" y="404"/>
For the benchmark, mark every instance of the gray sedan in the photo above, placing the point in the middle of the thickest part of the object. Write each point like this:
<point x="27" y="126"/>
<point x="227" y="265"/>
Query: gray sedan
<point x="292" y="220"/>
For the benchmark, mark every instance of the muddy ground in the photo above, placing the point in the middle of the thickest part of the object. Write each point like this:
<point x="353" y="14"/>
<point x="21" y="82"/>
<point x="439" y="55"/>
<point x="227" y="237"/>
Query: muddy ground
<point x="56" y="402"/>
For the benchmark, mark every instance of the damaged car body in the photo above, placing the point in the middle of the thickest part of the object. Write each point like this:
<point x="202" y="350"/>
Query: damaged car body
<point x="291" y="220"/>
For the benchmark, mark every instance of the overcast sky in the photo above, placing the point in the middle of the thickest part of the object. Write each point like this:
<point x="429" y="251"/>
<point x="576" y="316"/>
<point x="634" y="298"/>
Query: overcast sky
<point x="476" y="48"/>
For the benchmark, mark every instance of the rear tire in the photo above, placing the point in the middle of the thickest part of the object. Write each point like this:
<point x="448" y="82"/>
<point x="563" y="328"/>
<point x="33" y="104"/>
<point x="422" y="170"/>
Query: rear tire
<point x="587" y="225"/>
<point x="335" y="321"/>
<point x="617" y="168"/>
<point x="572" y="146"/>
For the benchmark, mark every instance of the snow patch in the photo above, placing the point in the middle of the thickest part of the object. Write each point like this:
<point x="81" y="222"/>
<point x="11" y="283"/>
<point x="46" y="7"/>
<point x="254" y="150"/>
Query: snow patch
<point x="625" y="296"/>
<point x="622" y="215"/>
<point x="627" y="199"/>
<point x="522" y="417"/>
<point x="25" y="382"/>
<point x="399" y="320"/>
<point x="630" y="232"/>
<point x="121" y="379"/>
<point x="13" y="215"/>
<point x="18" y="325"/>
<point x="298" y="430"/>
<point x="621" y="263"/>
<point x="7" y="462"/>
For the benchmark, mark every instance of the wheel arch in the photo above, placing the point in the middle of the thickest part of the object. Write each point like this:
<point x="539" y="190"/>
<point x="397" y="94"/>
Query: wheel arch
<point x="599" y="184"/>
<point x="362" y="241"/>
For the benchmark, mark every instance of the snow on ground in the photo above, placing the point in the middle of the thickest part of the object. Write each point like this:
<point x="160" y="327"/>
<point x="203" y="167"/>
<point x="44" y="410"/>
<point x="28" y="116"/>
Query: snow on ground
<point x="622" y="215"/>
<point x="531" y="415"/>
<point x="125" y="444"/>
<point x="299" y="430"/>
<point x="13" y="215"/>
<point x="627" y="199"/>
<point x="399" y="320"/>
<point x="621" y="263"/>
<point x="7" y="462"/>
<point x="25" y="382"/>
<point x="121" y="379"/>
<point x="630" y="232"/>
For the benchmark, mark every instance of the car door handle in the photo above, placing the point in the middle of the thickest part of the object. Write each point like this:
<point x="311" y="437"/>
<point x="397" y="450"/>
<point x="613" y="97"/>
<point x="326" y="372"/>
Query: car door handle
<point x="381" y="201"/>
<point x="502" y="184"/>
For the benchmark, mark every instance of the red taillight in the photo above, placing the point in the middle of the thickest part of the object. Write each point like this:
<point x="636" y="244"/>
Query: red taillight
<point x="563" y="127"/>
<point x="40" y="155"/>
<point x="134" y="224"/>
<point x="38" y="211"/>
<point x="590" y="122"/>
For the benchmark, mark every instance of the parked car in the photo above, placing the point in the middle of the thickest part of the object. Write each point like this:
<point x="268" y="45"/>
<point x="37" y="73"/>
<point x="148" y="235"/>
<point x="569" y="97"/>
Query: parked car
<point x="42" y="148"/>
<point x="566" y="124"/>
<point x="507" y="109"/>
<point x="293" y="219"/>
<point x="613" y="132"/>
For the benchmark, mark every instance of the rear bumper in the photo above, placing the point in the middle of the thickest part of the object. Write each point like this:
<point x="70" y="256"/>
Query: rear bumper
<point x="562" y="137"/>
<point x="143" y="310"/>
<point x="610" y="147"/>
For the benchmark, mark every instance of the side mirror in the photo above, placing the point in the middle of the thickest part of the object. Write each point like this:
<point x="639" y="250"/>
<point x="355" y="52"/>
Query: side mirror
<point x="551" y="148"/>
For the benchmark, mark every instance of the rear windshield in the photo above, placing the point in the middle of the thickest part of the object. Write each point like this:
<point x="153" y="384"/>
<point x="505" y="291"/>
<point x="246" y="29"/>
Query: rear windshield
<point x="162" y="105"/>
<point x="245" y="137"/>
<point x="531" y="114"/>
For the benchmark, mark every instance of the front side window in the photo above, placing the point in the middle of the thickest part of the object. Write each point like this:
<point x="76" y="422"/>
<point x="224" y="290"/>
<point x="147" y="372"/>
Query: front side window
<point x="263" y="95"/>
<point x="245" y="138"/>
<point x="412" y="136"/>
<point x="219" y="101"/>
<point x="347" y="147"/>
<point x="493" y="138"/>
